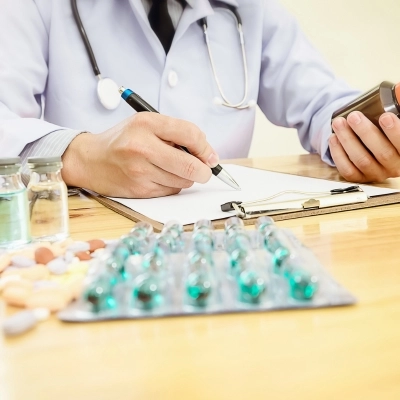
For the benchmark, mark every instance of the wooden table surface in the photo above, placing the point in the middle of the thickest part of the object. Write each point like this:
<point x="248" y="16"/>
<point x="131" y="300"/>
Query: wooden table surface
<point x="337" y="353"/>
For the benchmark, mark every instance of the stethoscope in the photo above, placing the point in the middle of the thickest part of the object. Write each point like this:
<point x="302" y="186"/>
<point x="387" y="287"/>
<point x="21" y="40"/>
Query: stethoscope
<point x="107" y="89"/>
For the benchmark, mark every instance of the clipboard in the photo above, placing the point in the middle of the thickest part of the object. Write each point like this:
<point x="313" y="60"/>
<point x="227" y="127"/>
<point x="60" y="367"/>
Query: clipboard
<point x="277" y="215"/>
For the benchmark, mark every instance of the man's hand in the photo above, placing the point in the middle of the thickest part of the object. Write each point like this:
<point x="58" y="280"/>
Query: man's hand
<point x="361" y="152"/>
<point x="138" y="158"/>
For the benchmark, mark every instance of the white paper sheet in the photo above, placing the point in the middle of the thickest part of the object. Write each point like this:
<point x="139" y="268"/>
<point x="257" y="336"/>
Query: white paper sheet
<point x="204" y="201"/>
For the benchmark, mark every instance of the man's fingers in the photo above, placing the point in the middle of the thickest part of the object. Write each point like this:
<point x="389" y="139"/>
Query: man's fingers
<point x="179" y="163"/>
<point x="345" y="167"/>
<point x="390" y="124"/>
<point x="167" y="179"/>
<point x="376" y="141"/>
<point x="357" y="153"/>
<point x="180" y="132"/>
<point x="153" y="190"/>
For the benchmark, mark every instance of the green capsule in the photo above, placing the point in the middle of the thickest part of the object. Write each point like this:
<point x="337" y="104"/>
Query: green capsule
<point x="121" y="252"/>
<point x="99" y="295"/>
<point x="251" y="287"/>
<point x="239" y="260"/>
<point x="303" y="285"/>
<point x="174" y="228"/>
<point x="233" y="223"/>
<point x="199" y="261"/>
<point x="134" y="244"/>
<point x="203" y="224"/>
<point x="169" y="242"/>
<point x="203" y="241"/>
<point x="147" y="292"/>
<point x="116" y="269"/>
<point x="272" y="241"/>
<point x="263" y="224"/>
<point x="115" y="264"/>
<point x="154" y="261"/>
<point x="279" y="256"/>
<point x="141" y="230"/>
<point x="237" y="239"/>
<point x="198" y="289"/>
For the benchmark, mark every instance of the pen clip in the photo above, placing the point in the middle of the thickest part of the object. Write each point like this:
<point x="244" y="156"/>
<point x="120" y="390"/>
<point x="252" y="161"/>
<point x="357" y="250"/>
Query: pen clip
<point x="348" y="189"/>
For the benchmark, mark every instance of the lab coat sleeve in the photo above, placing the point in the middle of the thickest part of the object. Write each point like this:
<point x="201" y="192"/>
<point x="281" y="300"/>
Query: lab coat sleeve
<point x="297" y="87"/>
<point x="23" y="76"/>
<point x="52" y="145"/>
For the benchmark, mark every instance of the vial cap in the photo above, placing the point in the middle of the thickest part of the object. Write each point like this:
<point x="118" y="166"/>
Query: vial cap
<point x="10" y="160"/>
<point x="44" y="160"/>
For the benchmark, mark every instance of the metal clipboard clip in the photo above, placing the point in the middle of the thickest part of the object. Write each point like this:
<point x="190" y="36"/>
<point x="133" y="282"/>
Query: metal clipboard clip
<point x="314" y="200"/>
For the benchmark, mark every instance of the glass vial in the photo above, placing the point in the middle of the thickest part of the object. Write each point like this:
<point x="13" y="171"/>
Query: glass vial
<point x="14" y="212"/>
<point x="382" y="98"/>
<point x="48" y="199"/>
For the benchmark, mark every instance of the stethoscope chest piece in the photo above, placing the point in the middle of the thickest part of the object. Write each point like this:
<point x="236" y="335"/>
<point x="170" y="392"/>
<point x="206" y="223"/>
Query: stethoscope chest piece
<point x="107" y="91"/>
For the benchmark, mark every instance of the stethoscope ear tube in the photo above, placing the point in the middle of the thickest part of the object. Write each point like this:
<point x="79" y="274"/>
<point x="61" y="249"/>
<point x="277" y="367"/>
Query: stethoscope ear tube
<point x="225" y="102"/>
<point x="107" y="89"/>
<point x="84" y="37"/>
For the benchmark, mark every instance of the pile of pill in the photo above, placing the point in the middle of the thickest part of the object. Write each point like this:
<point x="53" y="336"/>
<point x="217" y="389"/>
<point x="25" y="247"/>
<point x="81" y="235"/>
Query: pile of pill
<point x="44" y="276"/>
<point x="144" y="275"/>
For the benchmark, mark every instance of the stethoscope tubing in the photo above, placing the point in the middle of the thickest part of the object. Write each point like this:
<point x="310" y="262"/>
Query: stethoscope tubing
<point x="204" y="23"/>
<point x="85" y="39"/>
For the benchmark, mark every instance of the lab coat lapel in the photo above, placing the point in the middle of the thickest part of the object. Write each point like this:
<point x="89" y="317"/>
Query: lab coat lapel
<point x="143" y="21"/>
<point x="201" y="9"/>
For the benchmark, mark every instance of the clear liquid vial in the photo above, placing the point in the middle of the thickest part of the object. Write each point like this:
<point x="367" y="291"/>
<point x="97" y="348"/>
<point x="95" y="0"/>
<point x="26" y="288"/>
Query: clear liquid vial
<point x="14" y="212"/>
<point x="48" y="199"/>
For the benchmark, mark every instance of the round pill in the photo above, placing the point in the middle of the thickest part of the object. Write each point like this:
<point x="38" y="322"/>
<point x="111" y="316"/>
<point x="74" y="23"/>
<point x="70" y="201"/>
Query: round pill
<point x="43" y="255"/>
<point x="78" y="246"/>
<point x="69" y="256"/>
<point x="57" y="266"/>
<point x="95" y="244"/>
<point x="83" y="255"/>
<point x="22" y="261"/>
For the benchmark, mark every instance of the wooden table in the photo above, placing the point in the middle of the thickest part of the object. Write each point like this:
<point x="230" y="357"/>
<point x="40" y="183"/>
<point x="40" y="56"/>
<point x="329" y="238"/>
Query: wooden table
<point x="338" y="353"/>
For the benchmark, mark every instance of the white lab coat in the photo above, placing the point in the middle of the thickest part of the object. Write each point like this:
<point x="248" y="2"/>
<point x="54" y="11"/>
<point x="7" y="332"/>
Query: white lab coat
<point x="41" y="53"/>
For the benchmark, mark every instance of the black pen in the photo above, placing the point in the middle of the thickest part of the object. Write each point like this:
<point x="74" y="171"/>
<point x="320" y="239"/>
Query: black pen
<point x="138" y="104"/>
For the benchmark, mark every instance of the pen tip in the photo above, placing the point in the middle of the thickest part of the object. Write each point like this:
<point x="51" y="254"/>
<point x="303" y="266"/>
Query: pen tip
<point x="121" y="90"/>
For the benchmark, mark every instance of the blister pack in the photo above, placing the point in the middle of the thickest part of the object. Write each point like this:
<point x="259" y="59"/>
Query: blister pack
<point x="147" y="275"/>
